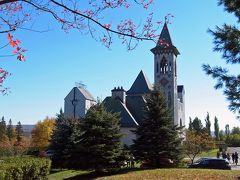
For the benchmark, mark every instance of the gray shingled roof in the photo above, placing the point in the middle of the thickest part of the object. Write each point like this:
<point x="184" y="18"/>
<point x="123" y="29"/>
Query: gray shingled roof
<point x="141" y="85"/>
<point x="86" y="94"/>
<point x="116" y="106"/>
<point x="164" y="44"/>
<point x="165" y="37"/>
<point x="136" y="105"/>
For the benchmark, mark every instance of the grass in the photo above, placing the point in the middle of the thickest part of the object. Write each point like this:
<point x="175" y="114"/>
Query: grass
<point x="211" y="153"/>
<point x="180" y="174"/>
<point x="139" y="174"/>
<point x="65" y="174"/>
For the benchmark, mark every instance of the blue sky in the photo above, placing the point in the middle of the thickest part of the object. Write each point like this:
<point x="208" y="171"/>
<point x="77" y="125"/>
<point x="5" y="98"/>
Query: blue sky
<point x="56" y="60"/>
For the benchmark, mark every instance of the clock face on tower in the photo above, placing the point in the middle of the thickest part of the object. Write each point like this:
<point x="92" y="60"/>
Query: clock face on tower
<point x="163" y="81"/>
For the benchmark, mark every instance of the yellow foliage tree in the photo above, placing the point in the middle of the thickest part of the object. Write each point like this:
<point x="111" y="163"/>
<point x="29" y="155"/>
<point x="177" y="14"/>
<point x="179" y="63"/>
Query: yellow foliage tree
<point x="42" y="132"/>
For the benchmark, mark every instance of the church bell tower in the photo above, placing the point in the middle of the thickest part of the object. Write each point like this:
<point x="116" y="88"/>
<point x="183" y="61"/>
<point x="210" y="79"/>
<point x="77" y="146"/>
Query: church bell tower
<point x="165" y="70"/>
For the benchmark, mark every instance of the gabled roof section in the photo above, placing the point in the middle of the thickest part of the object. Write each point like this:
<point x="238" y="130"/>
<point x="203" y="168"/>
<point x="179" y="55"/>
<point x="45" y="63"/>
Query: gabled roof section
<point x="116" y="106"/>
<point x="164" y="44"/>
<point x="141" y="85"/>
<point x="86" y="94"/>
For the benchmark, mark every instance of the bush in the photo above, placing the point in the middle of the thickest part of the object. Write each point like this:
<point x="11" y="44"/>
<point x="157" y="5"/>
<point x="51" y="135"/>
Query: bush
<point x="24" y="168"/>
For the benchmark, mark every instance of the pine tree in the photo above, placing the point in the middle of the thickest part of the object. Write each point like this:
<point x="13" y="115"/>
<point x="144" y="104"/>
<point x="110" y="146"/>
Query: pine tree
<point x="100" y="143"/>
<point x="2" y="129"/>
<point x="63" y="140"/>
<point x="226" y="41"/>
<point x="19" y="132"/>
<point x="208" y="124"/>
<point x="157" y="137"/>
<point x="10" y="131"/>
<point x="190" y="127"/>
<point x="216" y="128"/>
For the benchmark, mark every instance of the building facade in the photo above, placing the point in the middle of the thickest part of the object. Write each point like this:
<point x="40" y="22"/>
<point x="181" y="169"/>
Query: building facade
<point x="130" y="104"/>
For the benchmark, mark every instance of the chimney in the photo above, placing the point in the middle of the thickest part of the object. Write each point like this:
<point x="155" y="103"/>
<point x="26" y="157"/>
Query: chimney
<point x="119" y="92"/>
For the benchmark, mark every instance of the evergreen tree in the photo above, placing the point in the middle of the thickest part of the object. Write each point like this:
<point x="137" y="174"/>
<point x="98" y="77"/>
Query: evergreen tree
<point x="208" y="124"/>
<point x="190" y="127"/>
<point x="19" y="132"/>
<point x="100" y="146"/>
<point x="63" y="141"/>
<point x="157" y="136"/>
<point x="197" y="125"/>
<point x="2" y="129"/>
<point x="10" y="131"/>
<point x="226" y="41"/>
<point x="216" y="128"/>
<point x="227" y="130"/>
<point x="221" y="135"/>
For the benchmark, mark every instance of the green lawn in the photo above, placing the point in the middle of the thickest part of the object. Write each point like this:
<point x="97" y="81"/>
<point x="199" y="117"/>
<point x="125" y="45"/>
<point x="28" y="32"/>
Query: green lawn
<point x="128" y="174"/>
<point x="64" y="174"/>
<point x="211" y="153"/>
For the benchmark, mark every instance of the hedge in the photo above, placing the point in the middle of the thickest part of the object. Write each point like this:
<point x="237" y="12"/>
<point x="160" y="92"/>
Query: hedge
<point x="24" y="168"/>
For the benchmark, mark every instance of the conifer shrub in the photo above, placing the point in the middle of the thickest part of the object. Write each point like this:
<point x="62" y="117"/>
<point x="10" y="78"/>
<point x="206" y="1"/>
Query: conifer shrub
<point x="24" y="168"/>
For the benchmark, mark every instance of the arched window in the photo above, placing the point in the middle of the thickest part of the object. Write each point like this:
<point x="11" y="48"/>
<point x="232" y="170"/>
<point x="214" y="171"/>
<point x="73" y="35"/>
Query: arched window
<point x="157" y="67"/>
<point x="180" y="122"/>
<point x="170" y="66"/>
<point x="164" y="66"/>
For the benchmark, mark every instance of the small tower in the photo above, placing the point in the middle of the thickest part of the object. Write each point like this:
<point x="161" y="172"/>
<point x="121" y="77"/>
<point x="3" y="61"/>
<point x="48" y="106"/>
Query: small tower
<point x="77" y="102"/>
<point x="165" y="70"/>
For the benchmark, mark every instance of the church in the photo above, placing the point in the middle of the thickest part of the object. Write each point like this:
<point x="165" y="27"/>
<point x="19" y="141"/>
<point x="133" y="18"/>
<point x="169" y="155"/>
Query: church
<point x="130" y="104"/>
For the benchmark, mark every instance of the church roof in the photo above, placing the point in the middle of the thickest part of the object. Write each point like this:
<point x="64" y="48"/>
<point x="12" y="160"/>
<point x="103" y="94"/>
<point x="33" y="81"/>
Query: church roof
<point x="83" y="91"/>
<point x="165" y="38"/>
<point x="136" y="105"/>
<point x="116" y="106"/>
<point x="141" y="85"/>
<point x="164" y="44"/>
<point x="86" y="94"/>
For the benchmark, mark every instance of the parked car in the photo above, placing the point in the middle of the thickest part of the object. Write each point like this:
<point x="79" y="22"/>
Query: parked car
<point x="211" y="163"/>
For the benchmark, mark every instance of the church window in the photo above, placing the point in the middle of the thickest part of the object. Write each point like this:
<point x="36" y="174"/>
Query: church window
<point x="170" y="66"/>
<point x="157" y="67"/>
<point x="164" y="66"/>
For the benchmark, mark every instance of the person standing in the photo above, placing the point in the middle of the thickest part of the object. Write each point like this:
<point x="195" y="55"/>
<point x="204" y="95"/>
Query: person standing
<point x="228" y="157"/>
<point x="233" y="158"/>
<point x="236" y="158"/>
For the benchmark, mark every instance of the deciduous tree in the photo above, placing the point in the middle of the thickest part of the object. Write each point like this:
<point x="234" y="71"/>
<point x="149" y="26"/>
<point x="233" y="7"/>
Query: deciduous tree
<point x="42" y="132"/>
<point x="195" y="143"/>
<point x="197" y="125"/>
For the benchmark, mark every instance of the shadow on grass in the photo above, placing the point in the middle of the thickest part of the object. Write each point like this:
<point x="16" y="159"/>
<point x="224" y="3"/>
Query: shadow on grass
<point x="94" y="175"/>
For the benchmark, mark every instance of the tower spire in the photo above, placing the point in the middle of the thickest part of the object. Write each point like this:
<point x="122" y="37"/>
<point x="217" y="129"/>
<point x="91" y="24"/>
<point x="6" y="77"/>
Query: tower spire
<point x="164" y="43"/>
